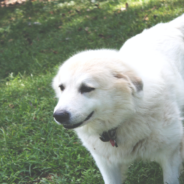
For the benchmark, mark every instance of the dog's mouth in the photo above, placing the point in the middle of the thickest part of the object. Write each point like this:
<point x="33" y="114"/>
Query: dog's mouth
<point x="78" y="124"/>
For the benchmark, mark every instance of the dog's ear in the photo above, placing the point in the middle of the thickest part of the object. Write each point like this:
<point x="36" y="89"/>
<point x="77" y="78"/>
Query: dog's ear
<point x="134" y="81"/>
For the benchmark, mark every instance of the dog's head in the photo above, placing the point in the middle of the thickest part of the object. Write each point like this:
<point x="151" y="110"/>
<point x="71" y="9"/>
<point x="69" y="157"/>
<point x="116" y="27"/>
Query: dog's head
<point x="94" y="86"/>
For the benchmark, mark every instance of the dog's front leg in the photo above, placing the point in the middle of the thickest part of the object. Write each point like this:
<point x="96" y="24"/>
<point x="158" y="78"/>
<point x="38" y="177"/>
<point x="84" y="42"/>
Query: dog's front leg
<point x="171" y="164"/>
<point x="111" y="172"/>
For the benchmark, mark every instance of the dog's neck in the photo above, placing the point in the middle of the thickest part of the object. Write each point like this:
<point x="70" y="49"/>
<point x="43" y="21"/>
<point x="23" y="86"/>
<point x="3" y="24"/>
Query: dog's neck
<point x="111" y="136"/>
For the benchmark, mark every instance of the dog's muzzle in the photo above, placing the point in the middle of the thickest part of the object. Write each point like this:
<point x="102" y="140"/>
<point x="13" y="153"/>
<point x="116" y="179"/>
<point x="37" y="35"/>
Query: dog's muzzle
<point x="63" y="117"/>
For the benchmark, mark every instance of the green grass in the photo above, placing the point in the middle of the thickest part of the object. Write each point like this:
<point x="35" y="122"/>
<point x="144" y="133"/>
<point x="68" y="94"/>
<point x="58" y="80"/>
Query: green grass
<point x="34" y="149"/>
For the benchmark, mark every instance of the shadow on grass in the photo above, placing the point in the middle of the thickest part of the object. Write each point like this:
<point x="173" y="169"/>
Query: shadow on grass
<point x="35" y="37"/>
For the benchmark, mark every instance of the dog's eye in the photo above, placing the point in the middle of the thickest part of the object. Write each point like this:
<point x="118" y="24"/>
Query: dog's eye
<point x="61" y="87"/>
<point x="86" y="89"/>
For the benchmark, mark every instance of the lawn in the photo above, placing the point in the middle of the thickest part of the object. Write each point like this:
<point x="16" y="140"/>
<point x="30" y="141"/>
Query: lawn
<point x="35" y="38"/>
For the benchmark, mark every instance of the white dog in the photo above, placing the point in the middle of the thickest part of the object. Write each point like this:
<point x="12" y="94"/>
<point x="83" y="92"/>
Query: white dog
<point x="128" y="104"/>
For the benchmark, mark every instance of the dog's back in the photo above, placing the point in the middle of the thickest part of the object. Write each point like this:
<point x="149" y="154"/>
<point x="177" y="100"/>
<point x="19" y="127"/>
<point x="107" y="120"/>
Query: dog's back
<point x="159" y="52"/>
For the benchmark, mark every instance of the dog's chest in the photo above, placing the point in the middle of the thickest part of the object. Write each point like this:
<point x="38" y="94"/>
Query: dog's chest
<point x="124" y="152"/>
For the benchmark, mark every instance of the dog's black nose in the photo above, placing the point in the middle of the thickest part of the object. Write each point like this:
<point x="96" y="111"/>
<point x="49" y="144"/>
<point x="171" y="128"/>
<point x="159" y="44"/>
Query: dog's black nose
<point x="61" y="116"/>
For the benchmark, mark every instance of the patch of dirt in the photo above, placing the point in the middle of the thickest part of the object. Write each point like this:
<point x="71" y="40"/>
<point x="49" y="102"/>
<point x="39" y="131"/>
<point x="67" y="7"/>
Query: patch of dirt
<point x="7" y="3"/>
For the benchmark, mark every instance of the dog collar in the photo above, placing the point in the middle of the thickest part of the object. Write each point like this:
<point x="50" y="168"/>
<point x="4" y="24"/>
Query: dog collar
<point x="111" y="136"/>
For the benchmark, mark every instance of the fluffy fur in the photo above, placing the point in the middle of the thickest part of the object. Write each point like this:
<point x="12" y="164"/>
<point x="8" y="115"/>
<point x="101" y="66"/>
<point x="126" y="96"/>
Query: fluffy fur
<point x="139" y="90"/>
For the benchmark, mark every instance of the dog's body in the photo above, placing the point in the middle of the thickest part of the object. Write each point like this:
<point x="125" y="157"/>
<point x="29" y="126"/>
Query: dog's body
<point x="138" y="92"/>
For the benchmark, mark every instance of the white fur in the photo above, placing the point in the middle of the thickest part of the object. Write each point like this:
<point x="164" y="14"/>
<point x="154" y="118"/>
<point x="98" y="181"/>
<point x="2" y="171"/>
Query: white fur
<point x="149" y="120"/>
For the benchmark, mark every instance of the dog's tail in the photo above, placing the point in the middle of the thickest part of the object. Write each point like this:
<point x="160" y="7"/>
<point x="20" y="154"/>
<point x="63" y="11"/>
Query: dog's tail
<point x="178" y="23"/>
